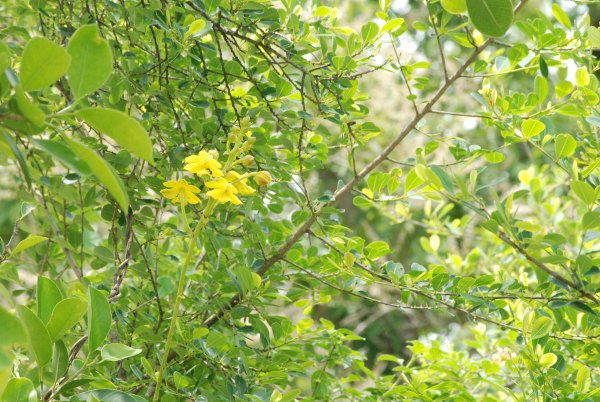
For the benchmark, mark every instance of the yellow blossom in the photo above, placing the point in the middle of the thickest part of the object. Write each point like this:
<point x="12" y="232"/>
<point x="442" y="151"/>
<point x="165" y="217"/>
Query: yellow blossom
<point x="223" y="191"/>
<point x="241" y="186"/>
<point x="204" y="163"/>
<point x="263" y="178"/>
<point x="179" y="191"/>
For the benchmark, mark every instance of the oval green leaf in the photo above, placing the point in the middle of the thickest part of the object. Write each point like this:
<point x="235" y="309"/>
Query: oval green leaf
<point x="125" y="130"/>
<point x="541" y="327"/>
<point x="19" y="390"/>
<point x="11" y="329"/>
<point x="584" y="191"/>
<point x="114" y="352"/>
<point x="92" y="60"/>
<point x="65" y="315"/>
<point x="43" y="63"/>
<point x="532" y="127"/>
<point x="564" y="145"/>
<point x="103" y="172"/>
<point x="48" y="296"/>
<point x="99" y="318"/>
<point x="491" y="17"/>
<point x="37" y="334"/>
<point x="454" y="6"/>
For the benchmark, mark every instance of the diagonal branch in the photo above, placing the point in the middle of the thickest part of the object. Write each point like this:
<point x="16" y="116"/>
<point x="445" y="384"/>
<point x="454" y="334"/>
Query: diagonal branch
<point x="348" y="187"/>
<point x="504" y="237"/>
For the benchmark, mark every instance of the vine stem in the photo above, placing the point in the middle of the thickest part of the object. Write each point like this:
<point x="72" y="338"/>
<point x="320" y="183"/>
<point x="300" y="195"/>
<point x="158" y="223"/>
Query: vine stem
<point x="180" y="289"/>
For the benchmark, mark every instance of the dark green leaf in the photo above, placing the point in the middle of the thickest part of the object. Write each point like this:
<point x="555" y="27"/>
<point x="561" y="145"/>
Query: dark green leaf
<point x="48" y="296"/>
<point x="491" y="17"/>
<point x="99" y="318"/>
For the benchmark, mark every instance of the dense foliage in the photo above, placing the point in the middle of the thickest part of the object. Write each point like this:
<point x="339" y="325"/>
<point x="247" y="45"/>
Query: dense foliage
<point x="261" y="200"/>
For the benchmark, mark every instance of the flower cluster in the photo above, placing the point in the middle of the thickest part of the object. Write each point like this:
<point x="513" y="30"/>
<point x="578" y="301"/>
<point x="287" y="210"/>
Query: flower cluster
<point x="223" y="183"/>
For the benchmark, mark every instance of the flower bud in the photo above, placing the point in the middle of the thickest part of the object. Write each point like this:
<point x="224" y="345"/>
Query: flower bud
<point x="263" y="178"/>
<point x="214" y="153"/>
<point x="248" y="144"/>
<point x="247" y="160"/>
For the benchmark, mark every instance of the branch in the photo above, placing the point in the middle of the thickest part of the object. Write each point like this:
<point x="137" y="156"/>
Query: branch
<point x="504" y="237"/>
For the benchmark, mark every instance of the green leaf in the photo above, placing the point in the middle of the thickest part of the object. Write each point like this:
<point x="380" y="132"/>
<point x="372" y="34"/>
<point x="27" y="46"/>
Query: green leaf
<point x="43" y="64"/>
<point x="247" y="279"/>
<point x="28" y="242"/>
<point x="582" y="307"/>
<point x="28" y="109"/>
<point x="48" y="296"/>
<point x="548" y="359"/>
<point x="114" y="352"/>
<point x="92" y="60"/>
<point x="65" y="315"/>
<point x="491" y="17"/>
<point x="64" y="155"/>
<point x="541" y="327"/>
<point x="99" y="318"/>
<point x="37" y="334"/>
<point x="195" y="27"/>
<point x="594" y="35"/>
<point x="125" y="130"/>
<point x="591" y="220"/>
<point x="532" y="127"/>
<point x="369" y="31"/>
<point x="103" y="172"/>
<point x="543" y="67"/>
<point x="19" y="390"/>
<point x="582" y="77"/>
<point x="494" y="157"/>
<point x="561" y="16"/>
<point x="11" y="329"/>
<point x="392" y="25"/>
<point x="454" y="6"/>
<point x="584" y="191"/>
<point x="377" y="249"/>
<point x="412" y="181"/>
<point x="583" y="375"/>
<point x="564" y="145"/>
<point x="217" y="341"/>
<point x="563" y="88"/>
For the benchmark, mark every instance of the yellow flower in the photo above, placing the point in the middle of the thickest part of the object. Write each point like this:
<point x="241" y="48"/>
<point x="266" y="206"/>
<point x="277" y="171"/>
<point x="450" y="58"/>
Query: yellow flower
<point x="263" y="178"/>
<point x="204" y="163"/>
<point x="223" y="191"/>
<point x="240" y="185"/>
<point x="180" y="190"/>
